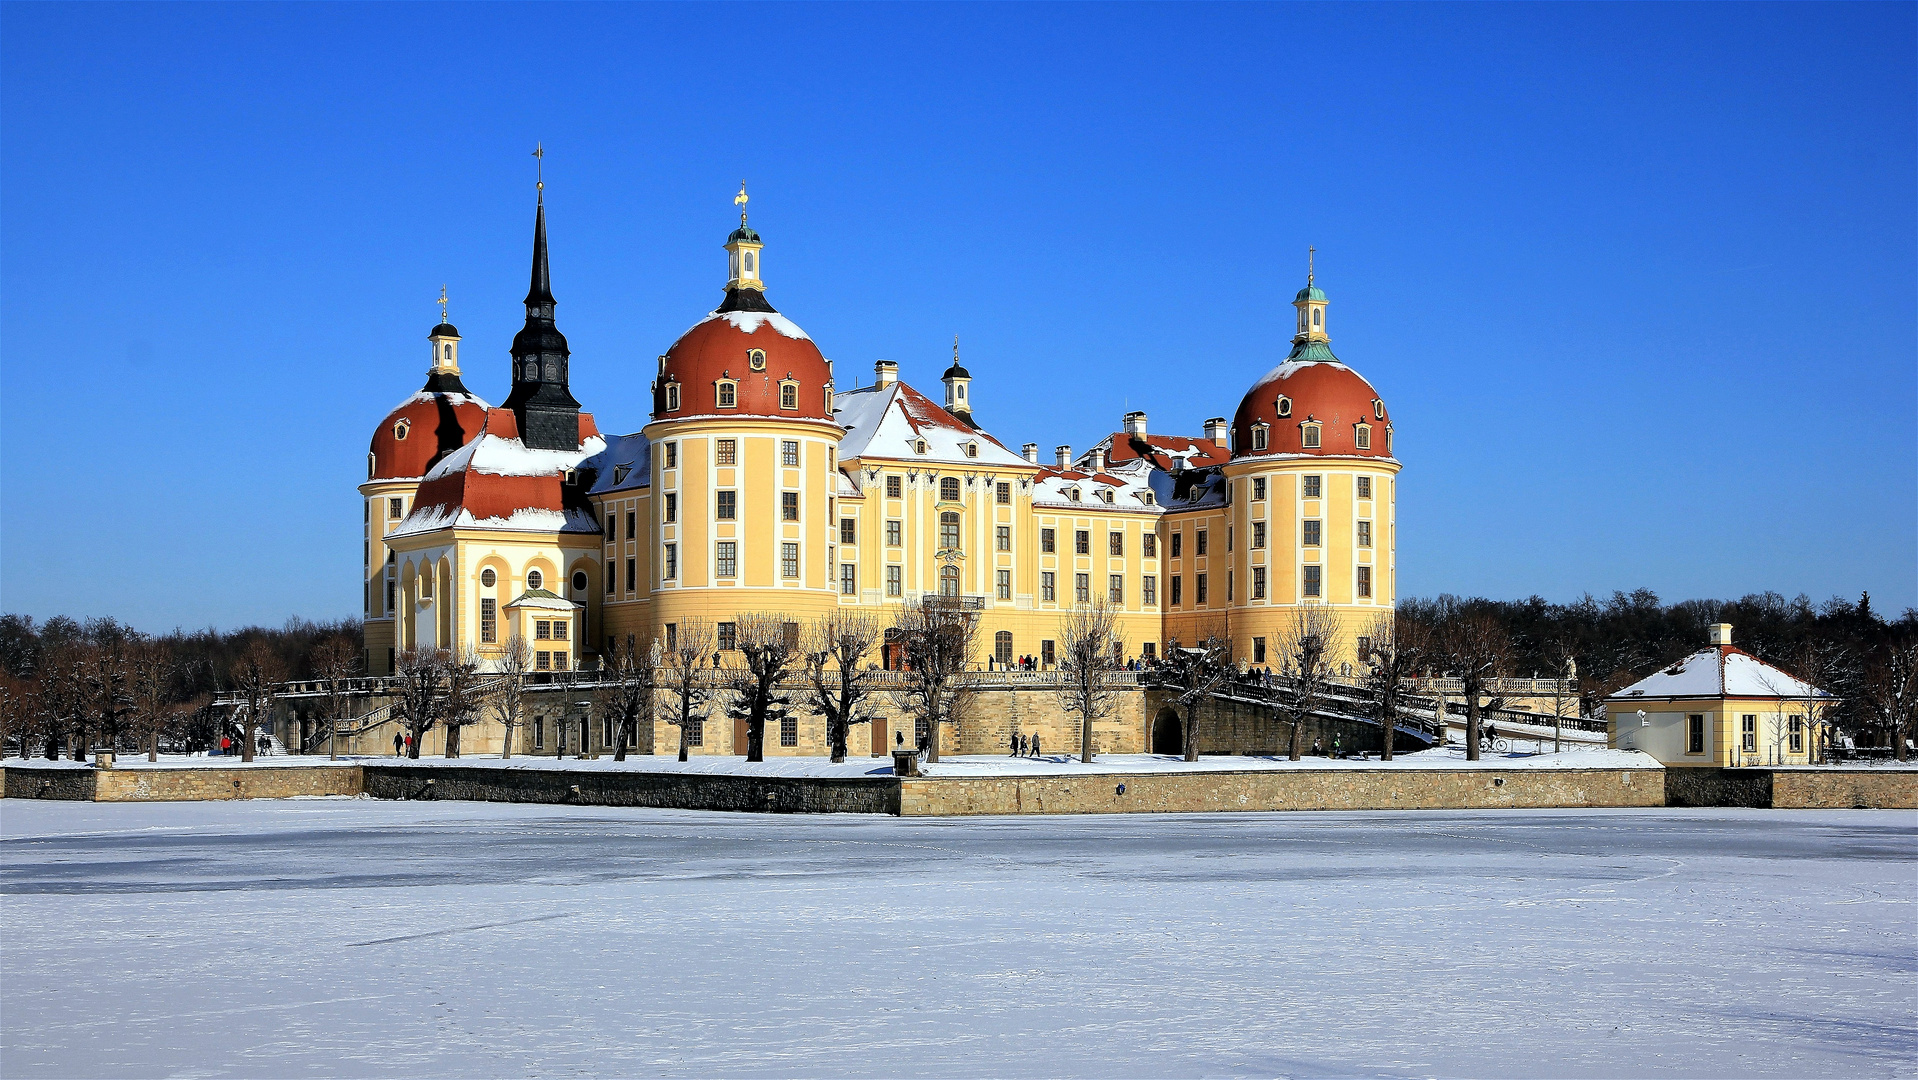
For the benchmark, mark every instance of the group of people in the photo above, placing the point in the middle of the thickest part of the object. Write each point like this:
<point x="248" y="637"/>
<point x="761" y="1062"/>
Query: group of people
<point x="230" y="744"/>
<point x="402" y="744"/>
<point x="1024" y="745"/>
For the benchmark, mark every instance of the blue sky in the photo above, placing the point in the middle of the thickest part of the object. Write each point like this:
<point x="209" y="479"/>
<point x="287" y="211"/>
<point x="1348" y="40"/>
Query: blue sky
<point x="1637" y="281"/>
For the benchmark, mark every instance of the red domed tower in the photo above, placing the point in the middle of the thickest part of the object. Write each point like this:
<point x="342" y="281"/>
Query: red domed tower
<point x="1312" y="513"/>
<point x="442" y="417"/>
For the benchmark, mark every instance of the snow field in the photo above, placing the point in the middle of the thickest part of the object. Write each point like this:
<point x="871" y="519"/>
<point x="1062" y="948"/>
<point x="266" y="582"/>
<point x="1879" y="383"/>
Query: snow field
<point x="362" y="938"/>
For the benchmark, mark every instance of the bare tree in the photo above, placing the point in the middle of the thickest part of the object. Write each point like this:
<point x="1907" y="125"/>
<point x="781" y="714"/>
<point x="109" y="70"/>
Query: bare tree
<point x="686" y="649"/>
<point x="626" y="693"/>
<point x="509" y="693"/>
<point x="836" y="648"/>
<point x="1396" y="649"/>
<point x="1196" y="671"/>
<point x="769" y="646"/>
<point x="16" y="710"/>
<point x="1311" y="638"/>
<point x="155" y="686"/>
<point x="422" y="695"/>
<point x="1090" y="647"/>
<point x="336" y="660"/>
<point x="254" y="674"/>
<point x="108" y="684"/>
<point x="1891" y="687"/>
<point x="465" y="701"/>
<point x="936" y="639"/>
<point x="1473" y="644"/>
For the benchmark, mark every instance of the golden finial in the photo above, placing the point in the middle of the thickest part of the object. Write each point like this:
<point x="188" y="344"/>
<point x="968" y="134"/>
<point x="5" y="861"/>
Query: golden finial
<point x="442" y="303"/>
<point x="739" y="200"/>
<point x="539" y="169"/>
<point x="1309" y="252"/>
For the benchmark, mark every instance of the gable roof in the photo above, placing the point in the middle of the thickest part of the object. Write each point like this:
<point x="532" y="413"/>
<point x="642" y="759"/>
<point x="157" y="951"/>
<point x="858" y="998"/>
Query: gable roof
<point x="1163" y="450"/>
<point x="885" y="422"/>
<point x="1721" y="671"/>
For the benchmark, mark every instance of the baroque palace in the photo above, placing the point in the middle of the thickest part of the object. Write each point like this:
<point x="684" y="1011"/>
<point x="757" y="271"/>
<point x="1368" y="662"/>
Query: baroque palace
<point x="757" y="484"/>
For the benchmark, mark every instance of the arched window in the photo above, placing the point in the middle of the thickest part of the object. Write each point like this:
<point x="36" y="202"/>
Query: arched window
<point x="949" y="581"/>
<point x="1002" y="646"/>
<point x="949" y="489"/>
<point x="949" y="531"/>
<point x="1073" y="494"/>
<point x="749" y="263"/>
<point x="1318" y="317"/>
<point x="449" y="350"/>
<point x="534" y="579"/>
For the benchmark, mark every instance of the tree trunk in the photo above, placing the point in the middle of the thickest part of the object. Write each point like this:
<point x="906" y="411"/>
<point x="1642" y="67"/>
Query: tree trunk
<point x="506" y="747"/>
<point x="1471" y="720"/>
<point x="1897" y="735"/>
<point x="246" y="737"/>
<point x="619" y="746"/>
<point x="453" y="740"/>
<point x="839" y="733"/>
<point x="1085" y="734"/>
<point x="684" y="721"/>
<point x="1191" y="732"/>
<point x="1298" y="734"/>
<point x="756" y="739"/>
<point x="153" y="746"/>
<point x="413" y="751"/>
<point x="1389" y="717"/>
<point x="932" y="736"/>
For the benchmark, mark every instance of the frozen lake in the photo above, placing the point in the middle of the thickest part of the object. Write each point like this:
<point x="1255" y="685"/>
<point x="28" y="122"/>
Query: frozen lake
<point x="371" y="939"/>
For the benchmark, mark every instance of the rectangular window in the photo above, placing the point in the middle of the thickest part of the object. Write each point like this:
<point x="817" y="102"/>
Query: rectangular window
<point x="1258" y="488"/>
<point x="1365" y="534"/>
<point x="1115" y="590"/>
<point x="1047" y="541"/>
<point x="789" y="395"/>
<point x="672" y="507"/>
<point x="1178" y="545"/>
<point x="632" y="524"/>
<point x="1313" y="583"/>
<point x="728" y="395"/>
<point x="1149" y="545"/>
<point x="632" y="575"/>
<point x="848" y="579"/>
<point x="489" y="620"/>
<point x="1002" y="584"/>
<point x="543" y="630"/>
<point x="1199" y="589"/>
<point x="1258" y="650"/>
<point x="846" y="530"/>
<point x="1695" y="733"/>
<point x="1003" y="494"/>
<point x="1177" y="582"/>
<point x="1258" y="583"/>
<point x="561" y="629"/>
<point x="1748" y="733"/>
<point x="542" y="661"/>
<point x="1149" y="590"/>
<point x="789" y="506"/>
<point x="789" y="731"/>
<point x="726" y="452"/>
<point x="1312" y="533"/>
<point x="1082" y="588"/>
<point x="1312" y="486"/>
<point x="1115" y="543"/>
<point x="1363" y="647"/>
<point x="1002" y="538"/>
<point x="892" y="533"/>
<point x="612" y="533"/>
<point x="789" y="559"/>
<point x="669" y="566"/>
<point x="1258" y="535"/>
<point x="1048" y="586"/>
<point x="672" y="397"/>
<point x="1198" y="542"/>
<point x="389" y="596"/>
<point x="726" y="558"/>
<point x="1082" y="542"/>
<point x="892" y="487"/>
<point x="1045" y="653"/>
<point x="1363" y="437"/>
<point x="559" y="661"/>
<point x="1229" y="595"/>
<point x="728" y="505"/>
<point x="672" y="455"/>
<point x="789" y="452"/>
<point x="672" y="637"/>
<point x="1795" y="732"/>
<point x="1228" y="538"/>
<point x="395" y="509"/>
<point x="1365" y="487"/>
<point x="728" y="636"/>
<point x="539" y="733"/>
<point x="893" y="582"/>
<point x="696" y="731"/>
<point x="1310" y="435"/>
<point x="1365" y="582"/>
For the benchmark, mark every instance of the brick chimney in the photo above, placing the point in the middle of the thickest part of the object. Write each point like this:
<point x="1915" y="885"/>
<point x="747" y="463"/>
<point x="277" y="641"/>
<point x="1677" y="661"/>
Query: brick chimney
<point x="1031" y="452"/>
<point x="1135" y="424"/>
<point x="1063" y="455"/>
<point x="1217" y="430"/>
<point x="885" y="373"/>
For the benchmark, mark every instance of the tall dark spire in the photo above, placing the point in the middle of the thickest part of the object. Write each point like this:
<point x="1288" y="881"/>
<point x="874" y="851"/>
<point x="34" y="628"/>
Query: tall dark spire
<point x="547" y="413"/>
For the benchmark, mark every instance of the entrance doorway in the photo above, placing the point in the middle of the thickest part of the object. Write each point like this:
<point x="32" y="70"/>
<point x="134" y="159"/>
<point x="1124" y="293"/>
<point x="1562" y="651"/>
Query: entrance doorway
<point x="1168" y="735"/>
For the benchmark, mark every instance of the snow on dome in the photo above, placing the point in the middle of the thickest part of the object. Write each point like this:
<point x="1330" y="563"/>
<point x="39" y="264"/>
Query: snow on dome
<point x="497" y="482"/>
<point x="767" y="372"/>
<point x="1312" y="388"/>
<point x="749" y="322"/>
<point x="422" y="430"/>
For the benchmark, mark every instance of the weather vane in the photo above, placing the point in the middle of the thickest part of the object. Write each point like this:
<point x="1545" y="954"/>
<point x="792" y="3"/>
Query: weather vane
<point x="739" y="200"/>
<point x="955" y="349"/>
<point x="1309" y="252"/>
<point x="442" y="303"/>
<point x="539" y="169"/>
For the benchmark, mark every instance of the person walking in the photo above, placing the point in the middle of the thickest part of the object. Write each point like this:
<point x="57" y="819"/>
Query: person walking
<point x="1318" y="750"/>
<point x="1336" y="751"/>
<point x="399" y="743"/>
<point x="1014" y="743"/>
<point x="226" y="746"/>
<point x="1035" y="744"/>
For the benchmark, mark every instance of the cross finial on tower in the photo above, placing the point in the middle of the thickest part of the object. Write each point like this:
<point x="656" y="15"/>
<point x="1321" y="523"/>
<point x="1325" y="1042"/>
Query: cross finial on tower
<point x="1309" y="252"/>
<point x="539" y="169"/>
<point x="740" y="200"/>
<point x="442" y="303"/>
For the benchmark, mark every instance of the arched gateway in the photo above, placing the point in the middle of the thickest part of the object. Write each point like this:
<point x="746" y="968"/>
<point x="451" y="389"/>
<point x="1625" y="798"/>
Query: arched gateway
<point x="1168" y="735"/>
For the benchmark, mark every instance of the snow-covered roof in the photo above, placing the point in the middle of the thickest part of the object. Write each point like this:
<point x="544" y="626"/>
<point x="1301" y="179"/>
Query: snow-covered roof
<point x="889" y="421"/>
<point x="1129" y="486"/>
<point x="1720" y="672"/>
<point x="543" y="599"/>
<point x="625" y="464"/>
<point x="498" y="482"/>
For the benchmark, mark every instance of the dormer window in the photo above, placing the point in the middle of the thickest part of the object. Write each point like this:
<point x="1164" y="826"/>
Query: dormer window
<point x="1285" y="405"/>
<point x="569" y="477"/>
<point x="1309" y="435"/>
<point x="1072" y="494"/>
<point x="789" y="394"/>
<point x="1107" y="496"/>
<point x="919" y="446"/>
<point x="728" y="393"/>
<point x="620" y="473"/>
<point x="1261" y="436"/>
<point x="1362" y="436"/>
<point x="372" y="466"/>
<point x="972" y="450"/>
<point x="755" y="358"/>
<point x="672" y="397"/>
<point x="400" y="428"/>
<point x="1146" y="498"/>
<point x="1388" y="439"/>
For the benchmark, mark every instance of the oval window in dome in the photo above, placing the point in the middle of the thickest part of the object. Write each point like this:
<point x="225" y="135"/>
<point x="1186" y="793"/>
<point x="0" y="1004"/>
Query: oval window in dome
<point x="756" y="359"/>
<point x="1285" y="405"/>
<point x="1378" y="409"/>
<point x="400" y="429"/>
<point x="488" y="578"/>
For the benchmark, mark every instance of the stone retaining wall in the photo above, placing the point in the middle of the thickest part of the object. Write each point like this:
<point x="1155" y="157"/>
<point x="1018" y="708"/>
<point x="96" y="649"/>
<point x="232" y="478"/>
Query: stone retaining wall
<point x="665" y="791"/>
<point x="1291" y="789"/>
<point x="206" y="784"/>
<point x="1793" y="789"/>
<point x="28" y="782"/>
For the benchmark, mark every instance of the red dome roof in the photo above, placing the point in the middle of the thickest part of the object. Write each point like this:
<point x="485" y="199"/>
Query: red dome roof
<point x="1326" y="391"/>
<point x="425" y="428"/>
<point x="721" y="346"/>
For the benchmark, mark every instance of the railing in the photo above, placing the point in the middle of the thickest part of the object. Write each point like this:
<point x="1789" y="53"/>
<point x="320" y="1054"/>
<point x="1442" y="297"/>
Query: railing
<point x="962" y="603"/>
<point x="1518" y="687"/>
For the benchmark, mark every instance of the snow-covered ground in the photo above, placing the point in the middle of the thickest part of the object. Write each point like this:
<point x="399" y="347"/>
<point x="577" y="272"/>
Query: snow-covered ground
<point x="362" y="938"/>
